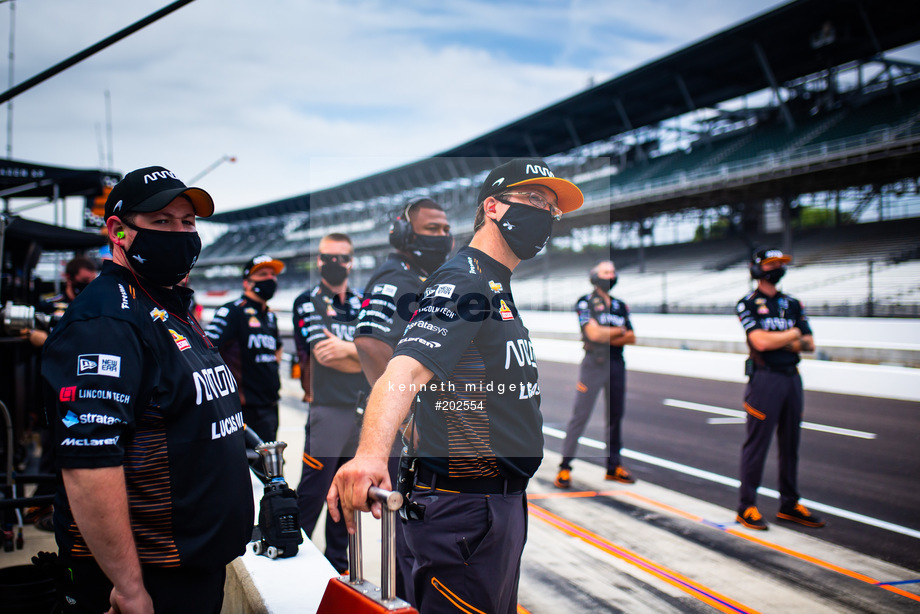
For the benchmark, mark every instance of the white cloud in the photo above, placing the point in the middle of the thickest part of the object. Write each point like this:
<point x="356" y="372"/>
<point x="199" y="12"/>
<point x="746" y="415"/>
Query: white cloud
<point x="291" y="86"/>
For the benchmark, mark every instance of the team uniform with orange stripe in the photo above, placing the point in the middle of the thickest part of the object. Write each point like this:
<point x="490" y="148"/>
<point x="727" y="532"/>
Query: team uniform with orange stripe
<point x="773" y="397"/>
<point x="602" y="368"/>
<point x="480" y="438"/>
<point x="131" y="380"/>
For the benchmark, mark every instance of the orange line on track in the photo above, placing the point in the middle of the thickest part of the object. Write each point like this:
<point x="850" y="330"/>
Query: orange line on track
<point x="704" y="594"/>
<point x="743" y="535"/>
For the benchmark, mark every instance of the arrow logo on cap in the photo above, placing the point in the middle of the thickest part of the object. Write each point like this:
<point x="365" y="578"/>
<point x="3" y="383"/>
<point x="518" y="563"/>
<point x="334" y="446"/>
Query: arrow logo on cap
<point x="498" y="181"/>
<point x="117" y="207"/>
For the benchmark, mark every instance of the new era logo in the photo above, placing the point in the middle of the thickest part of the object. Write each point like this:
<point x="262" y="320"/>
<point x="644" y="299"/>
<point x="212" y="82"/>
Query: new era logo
<point x="99" y="364"/>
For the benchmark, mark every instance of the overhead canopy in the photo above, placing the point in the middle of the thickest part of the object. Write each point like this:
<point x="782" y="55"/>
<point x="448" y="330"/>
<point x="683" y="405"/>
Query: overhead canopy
<point x="795" y="39"/>
<point x="21" y="232"/>
<point x="27" y="180"/>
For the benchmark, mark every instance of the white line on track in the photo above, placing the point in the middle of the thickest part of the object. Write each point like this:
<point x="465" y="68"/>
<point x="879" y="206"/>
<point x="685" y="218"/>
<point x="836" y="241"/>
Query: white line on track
<point x="734" y="483"/>
<point x="734" y="413"/>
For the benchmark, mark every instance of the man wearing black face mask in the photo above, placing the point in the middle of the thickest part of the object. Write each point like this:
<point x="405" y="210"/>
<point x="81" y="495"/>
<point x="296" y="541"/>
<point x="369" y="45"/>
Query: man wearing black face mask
<point x="154" y="498"/>
<point x="777" y="332"/>
<point x="605" y="329"/>
<point x="477" y="435"/>
<point x="324" y="330"/>
<point x="246" y="333"/>
<point x="422" y="240"/>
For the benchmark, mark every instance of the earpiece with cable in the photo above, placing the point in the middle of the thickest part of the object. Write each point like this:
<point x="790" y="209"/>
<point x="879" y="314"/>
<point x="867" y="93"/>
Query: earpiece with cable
<point x="120" y="234"/>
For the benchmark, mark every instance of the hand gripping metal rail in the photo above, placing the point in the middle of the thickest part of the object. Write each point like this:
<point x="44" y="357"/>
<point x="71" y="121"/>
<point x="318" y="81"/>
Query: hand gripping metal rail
<point x="352" y="593"/>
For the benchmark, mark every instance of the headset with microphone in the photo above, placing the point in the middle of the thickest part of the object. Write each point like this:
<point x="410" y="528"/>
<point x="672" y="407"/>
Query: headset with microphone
<point x="401" y="233"/>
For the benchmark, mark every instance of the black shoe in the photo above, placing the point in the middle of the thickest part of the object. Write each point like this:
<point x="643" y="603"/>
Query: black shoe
<point x="563" y="479"/>
<point x="752" y="519"/>
<point x="801" y="515"/>
<point x="620" y="474"/>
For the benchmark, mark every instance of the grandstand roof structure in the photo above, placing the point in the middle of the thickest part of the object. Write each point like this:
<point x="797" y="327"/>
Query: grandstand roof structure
<point x="770" y="50"/>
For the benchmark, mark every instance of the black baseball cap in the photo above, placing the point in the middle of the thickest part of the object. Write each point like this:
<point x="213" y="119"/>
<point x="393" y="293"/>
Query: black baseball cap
<point x="152" y="188"/>
<point x="522" y="171"/>
<point x="766" y="256"/>
<point x="262" y="261"/>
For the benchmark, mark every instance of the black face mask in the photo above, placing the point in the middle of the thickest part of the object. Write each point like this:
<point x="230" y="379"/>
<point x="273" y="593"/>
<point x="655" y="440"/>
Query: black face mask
<point x="430" y="252"/>
<point x="265" y="288"/>
<point x="162" y="256"/>
<point x="525" y="229"/>
<point x="603" y="284"/>
<point x="78" y="287"/>
<point x="334" y="273"/>
<point x="773" y="276"/>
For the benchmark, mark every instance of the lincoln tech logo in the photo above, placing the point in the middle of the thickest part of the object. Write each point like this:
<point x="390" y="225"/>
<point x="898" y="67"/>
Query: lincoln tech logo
<point x="68" y="394"/>
<point x="99" y="364"/>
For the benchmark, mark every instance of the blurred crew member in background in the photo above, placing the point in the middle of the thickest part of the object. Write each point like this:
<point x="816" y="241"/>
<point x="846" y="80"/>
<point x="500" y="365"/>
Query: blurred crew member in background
<point x="605" y="329"/>
<point x="246" y="333"/>
<point x="777" y="332"/>
<point x="324" y="324"/>
<point x="155" y="497"/>
<point x="422" y="240"/>
<point x="78" y="273"/>
<point x="478" y="425"/>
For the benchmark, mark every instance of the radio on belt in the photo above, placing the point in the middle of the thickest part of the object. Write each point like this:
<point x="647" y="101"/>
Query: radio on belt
<point x="279" y="532"/>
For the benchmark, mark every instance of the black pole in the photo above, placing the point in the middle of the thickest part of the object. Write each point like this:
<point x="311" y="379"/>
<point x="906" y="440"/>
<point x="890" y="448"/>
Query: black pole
<point x="62" y="66"/>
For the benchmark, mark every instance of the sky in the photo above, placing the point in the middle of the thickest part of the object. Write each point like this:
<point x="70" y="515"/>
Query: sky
<point x="308" y="94"/>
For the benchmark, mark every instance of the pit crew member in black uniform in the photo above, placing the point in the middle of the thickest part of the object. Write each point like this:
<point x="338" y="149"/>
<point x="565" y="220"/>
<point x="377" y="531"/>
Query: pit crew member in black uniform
<point x="324" y="321"/>
<point x="246" y="333"/>
<point x="155" y="497"/>
<point x="422" y="240"/>
<point x="777" y="332"/>
<point x="605" y="329"/>
<point x="469" y="358"/>
<point x="78" y="274"/>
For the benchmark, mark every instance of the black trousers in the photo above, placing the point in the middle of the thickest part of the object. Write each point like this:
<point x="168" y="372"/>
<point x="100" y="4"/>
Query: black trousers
<point x="262" y="419"/>
<point x="331" y="436"/>
<point x="467" y="551"/>
<point x="774" y="402"/>
<point x="85" y="588"/>
<point x="594" y="376"/>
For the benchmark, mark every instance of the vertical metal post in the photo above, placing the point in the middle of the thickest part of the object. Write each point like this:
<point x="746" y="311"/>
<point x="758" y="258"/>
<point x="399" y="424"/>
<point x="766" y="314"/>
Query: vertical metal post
<point x="12" y="57"/>
<point x="355" y="562"/>
<point x="871" y="298"/>
<point x="664" y="292"/>
<point x="388" y="555"/>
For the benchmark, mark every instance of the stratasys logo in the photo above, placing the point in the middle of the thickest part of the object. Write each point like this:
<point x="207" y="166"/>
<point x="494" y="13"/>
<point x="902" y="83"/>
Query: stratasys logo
<point x="72" y="419"/>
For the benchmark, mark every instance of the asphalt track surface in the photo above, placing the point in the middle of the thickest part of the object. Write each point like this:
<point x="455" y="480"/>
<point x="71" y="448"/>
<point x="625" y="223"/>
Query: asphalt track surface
<point x="877" y="477"/>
